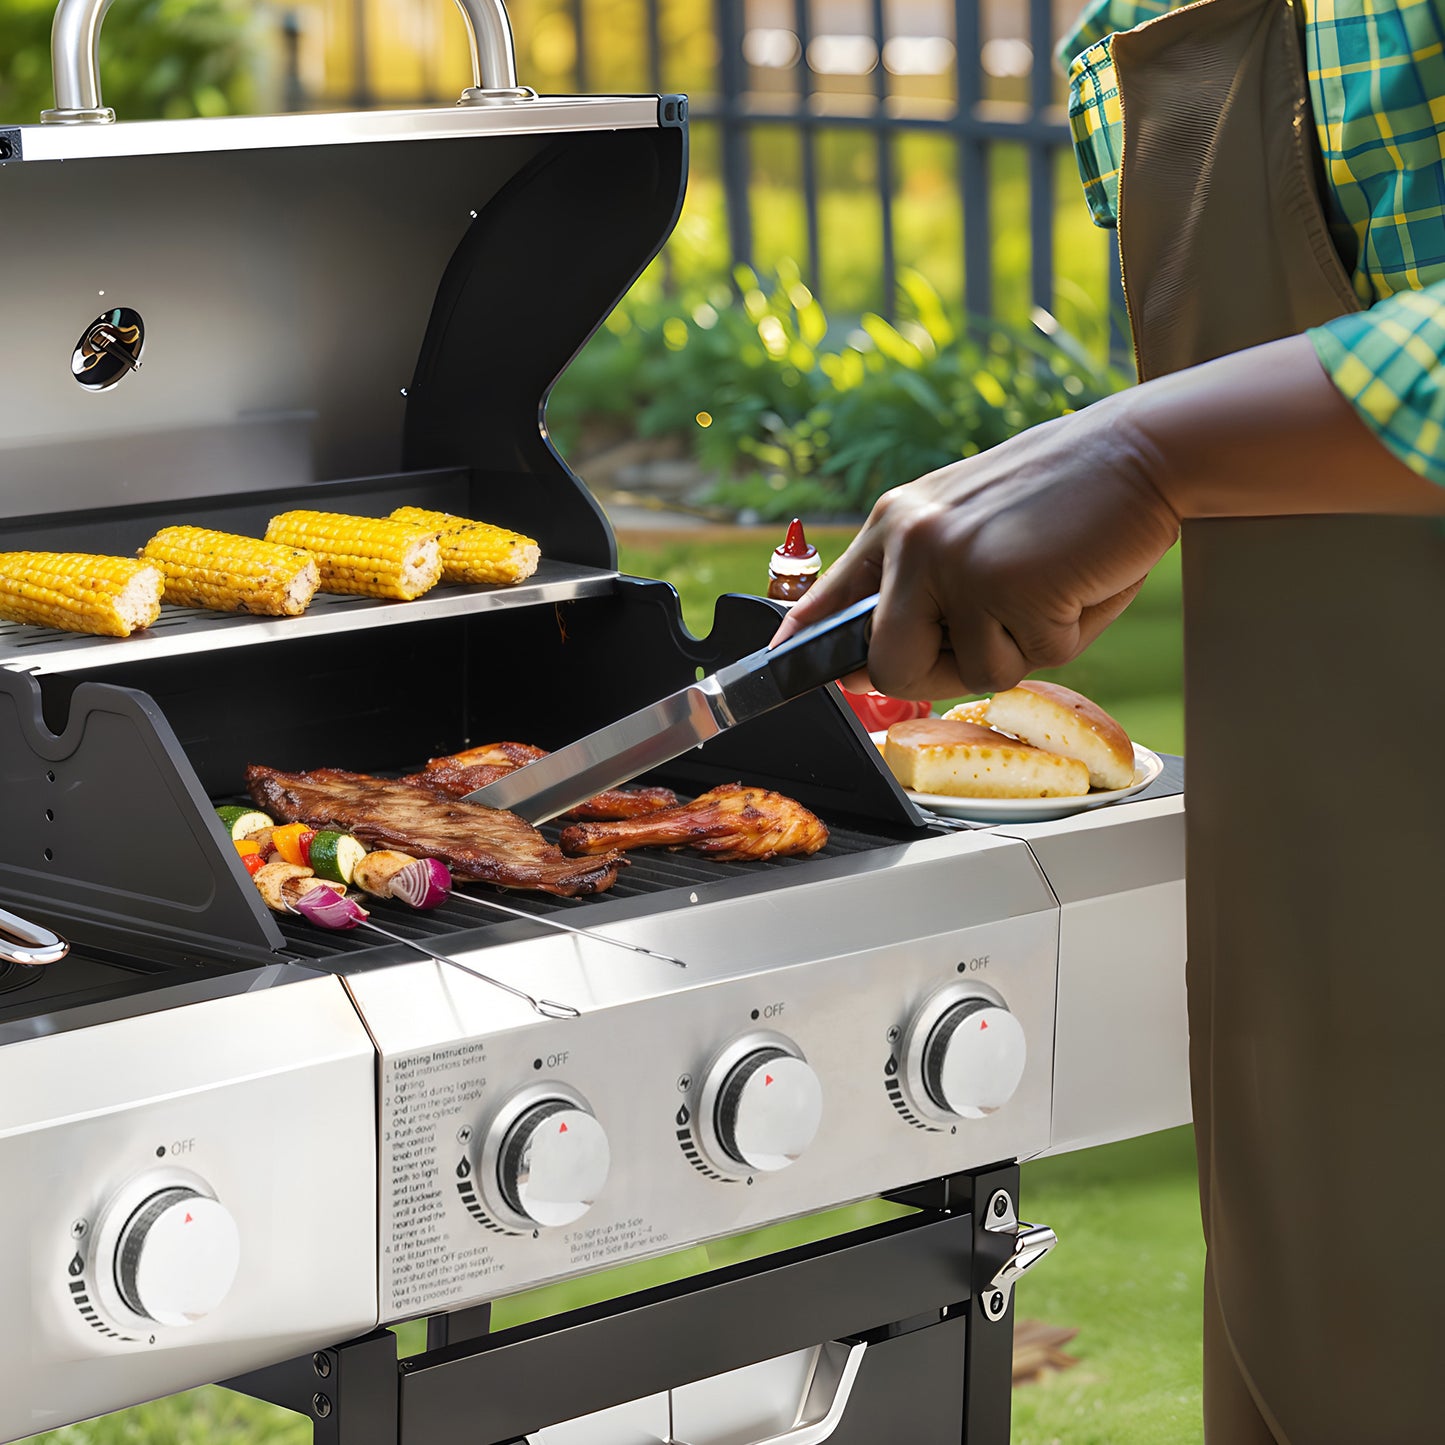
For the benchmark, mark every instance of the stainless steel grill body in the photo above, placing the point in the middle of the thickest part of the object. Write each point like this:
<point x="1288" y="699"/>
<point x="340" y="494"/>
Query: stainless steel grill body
<point x="263" y="1099"/>
<point x="354" y="313"/>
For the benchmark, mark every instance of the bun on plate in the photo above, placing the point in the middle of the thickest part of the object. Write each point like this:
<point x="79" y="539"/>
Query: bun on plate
<point x="964" y="760"/>
<point x="974" y="712"/>
<point x="1062" y="721"/>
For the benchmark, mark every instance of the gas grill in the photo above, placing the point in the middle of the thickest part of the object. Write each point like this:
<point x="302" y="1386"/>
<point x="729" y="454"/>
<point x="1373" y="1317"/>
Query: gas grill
<point x="236" y="1147"/>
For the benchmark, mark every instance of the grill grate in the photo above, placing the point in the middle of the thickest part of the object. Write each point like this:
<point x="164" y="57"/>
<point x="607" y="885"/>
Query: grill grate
<point x="13" y="976"/>
<point x="651" y="871"/>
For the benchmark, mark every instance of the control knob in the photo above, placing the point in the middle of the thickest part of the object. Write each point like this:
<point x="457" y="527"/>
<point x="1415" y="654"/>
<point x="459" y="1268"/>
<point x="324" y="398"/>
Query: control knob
<point x="552" y="1162"/>
<point x="768" y="1106"/>
<point x="177" y="1256"/>
<point x="966" y="1056"/>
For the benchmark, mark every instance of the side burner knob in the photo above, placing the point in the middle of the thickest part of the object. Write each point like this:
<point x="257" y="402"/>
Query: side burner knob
<point x="553" y="1163"/>
<point x="177" y="1256"/>
<point x="972" y="1058"/>
<point x="769" y="1105"/>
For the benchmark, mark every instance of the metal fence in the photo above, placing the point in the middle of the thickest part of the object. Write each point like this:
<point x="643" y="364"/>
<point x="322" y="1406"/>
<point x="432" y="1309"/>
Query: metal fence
<point x="976" y="73"/>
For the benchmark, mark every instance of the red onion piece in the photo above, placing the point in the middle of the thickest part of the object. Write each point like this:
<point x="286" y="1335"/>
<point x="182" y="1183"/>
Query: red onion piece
<point x="329" y="909"/>
<point x="423" y="884"/>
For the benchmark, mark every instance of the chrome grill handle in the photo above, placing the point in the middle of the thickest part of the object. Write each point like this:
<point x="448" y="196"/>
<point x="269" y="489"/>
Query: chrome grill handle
<point x="28" y="944"/>
<point x="75" y="34"/>
<point x="494" y="54"/>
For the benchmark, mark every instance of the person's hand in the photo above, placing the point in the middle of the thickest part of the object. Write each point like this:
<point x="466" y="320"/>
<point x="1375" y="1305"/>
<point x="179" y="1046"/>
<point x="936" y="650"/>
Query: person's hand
<point x="1010" y="561"/>
<point x="1018" y="558"/>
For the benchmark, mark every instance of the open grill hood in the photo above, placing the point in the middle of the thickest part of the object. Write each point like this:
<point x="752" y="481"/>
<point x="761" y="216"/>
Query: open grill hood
<point x="351" y="313"/>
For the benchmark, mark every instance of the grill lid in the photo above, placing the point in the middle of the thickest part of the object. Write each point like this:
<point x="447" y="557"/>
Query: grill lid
<point x="316" y="297"/>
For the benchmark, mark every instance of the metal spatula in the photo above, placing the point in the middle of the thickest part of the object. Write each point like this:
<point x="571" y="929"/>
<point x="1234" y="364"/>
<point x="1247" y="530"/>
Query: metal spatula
<point x="655" y="735"/>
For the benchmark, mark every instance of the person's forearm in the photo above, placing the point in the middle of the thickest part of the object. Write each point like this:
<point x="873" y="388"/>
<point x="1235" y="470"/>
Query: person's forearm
<point x="1264" y="432"/>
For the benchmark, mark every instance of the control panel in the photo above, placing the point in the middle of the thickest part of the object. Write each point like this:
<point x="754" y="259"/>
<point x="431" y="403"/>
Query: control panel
<point x="822" y="1045"/>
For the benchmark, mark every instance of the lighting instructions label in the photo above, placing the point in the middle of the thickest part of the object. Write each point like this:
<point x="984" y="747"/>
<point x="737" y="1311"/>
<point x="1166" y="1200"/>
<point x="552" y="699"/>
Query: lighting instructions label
<point x="425" y="1097"/>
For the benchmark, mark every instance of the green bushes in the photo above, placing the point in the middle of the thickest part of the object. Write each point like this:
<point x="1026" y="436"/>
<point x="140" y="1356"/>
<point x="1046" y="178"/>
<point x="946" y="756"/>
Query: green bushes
<point x="158" y="58"/>
<point x="788" y="413"/>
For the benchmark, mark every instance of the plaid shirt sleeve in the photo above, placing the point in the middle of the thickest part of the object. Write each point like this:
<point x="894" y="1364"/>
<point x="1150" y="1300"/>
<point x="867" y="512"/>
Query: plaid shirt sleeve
<point x="1389" y="364"/>
<point x="1377" y="75"/>
<point x="1095" y="117"/>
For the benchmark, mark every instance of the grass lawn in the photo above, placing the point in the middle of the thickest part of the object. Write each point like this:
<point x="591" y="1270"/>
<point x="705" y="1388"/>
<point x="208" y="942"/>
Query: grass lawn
<point x="1128" y="1275"/>
<point x="1129" y="1267"/>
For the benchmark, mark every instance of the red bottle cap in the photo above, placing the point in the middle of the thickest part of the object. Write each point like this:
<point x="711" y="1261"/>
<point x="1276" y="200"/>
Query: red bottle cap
<point x="795" y="544"/>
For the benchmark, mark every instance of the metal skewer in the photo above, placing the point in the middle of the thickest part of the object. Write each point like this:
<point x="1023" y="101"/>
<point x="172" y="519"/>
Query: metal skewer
<point x="548" y="1008"/>
<point x="567" y="928"/>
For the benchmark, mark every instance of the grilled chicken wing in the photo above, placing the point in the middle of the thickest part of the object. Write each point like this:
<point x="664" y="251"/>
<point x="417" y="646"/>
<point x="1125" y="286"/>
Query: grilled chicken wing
<point x="460" y="773"/>
<point x="731" y="822"/>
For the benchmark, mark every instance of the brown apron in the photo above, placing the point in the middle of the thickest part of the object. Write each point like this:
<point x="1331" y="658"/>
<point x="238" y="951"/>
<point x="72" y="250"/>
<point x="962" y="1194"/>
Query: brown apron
<point x="1315" y="702"/>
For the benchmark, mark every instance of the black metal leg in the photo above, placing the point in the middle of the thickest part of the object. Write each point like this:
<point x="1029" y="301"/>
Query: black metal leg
<point x="460" y="1325"/>
<point x="349" y="1393"/>
<point x="989" y="1344"/>
<point x="988" y="1341"/>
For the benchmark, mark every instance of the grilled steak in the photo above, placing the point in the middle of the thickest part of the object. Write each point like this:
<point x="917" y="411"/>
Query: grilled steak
<point x="732" y="822"/>
<point x="464" y="772"/>
<point x="474" y="842"/>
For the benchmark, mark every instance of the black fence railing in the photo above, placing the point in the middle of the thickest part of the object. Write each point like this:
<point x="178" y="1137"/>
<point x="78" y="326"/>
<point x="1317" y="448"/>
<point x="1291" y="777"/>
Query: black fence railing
<point x="977" y="74"/>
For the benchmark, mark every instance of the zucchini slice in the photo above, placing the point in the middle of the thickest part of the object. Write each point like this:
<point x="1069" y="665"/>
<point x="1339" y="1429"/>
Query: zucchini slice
<point x="334" y="856"/>
<point x="243" y="821"/>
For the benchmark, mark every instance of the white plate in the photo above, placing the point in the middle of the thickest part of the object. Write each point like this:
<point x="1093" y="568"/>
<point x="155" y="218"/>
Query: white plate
<point x="1147" y="767"/>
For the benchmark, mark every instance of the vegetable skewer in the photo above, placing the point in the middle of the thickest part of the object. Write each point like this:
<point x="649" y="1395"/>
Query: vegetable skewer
<point x="567" y="928"/>
<point x="548" y="1008"/>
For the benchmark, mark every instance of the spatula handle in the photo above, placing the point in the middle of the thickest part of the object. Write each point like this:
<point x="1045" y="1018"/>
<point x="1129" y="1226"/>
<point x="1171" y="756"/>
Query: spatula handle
<point x="819" y="654"/>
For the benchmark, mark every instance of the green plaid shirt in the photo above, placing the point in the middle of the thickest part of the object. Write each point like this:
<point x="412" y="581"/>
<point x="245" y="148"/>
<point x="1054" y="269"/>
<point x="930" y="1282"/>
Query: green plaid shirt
<point x="1377" y="87"/>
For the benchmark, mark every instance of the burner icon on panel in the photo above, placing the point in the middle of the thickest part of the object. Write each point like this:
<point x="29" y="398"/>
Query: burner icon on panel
<point x="691" y="1151"/>
<point x="895" y="1097"/>
<point x="472" y="1204"/>
<point x="80" y="1297"/>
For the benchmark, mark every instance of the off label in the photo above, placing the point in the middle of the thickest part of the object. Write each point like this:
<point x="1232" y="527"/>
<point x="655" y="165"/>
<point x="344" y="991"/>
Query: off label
<point x="976" y="965"/>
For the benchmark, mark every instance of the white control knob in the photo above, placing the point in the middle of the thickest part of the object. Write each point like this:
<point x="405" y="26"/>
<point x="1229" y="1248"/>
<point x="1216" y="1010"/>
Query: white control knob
<point x="768" y="1109"/>
<point x="973" y="1058"/>
<point x="553" y="1163"/>
<point x="177" y="1256"/>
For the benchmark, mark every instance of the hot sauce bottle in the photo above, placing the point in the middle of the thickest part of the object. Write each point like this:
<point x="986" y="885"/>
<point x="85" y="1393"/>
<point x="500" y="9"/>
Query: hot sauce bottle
<point x="793" y="567"/>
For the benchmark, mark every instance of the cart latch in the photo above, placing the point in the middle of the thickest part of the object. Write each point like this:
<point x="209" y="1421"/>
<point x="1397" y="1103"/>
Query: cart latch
<point x="1031" y="1242"/>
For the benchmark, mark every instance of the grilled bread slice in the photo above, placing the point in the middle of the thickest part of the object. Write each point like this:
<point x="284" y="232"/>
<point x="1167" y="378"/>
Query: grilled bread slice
<point x="965" y="760"/>
<point x="1060" y="720"/>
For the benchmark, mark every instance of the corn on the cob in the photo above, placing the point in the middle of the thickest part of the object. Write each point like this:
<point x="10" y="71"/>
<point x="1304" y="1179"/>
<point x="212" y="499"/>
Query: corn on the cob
<point x="227" y="573"/>
<point x="107" y="596"/>
<point x="370" y="556"/>
<point x="476" y="551"/>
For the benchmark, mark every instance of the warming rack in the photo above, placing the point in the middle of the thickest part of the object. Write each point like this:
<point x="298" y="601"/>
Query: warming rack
<point x="184" y="630"/>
